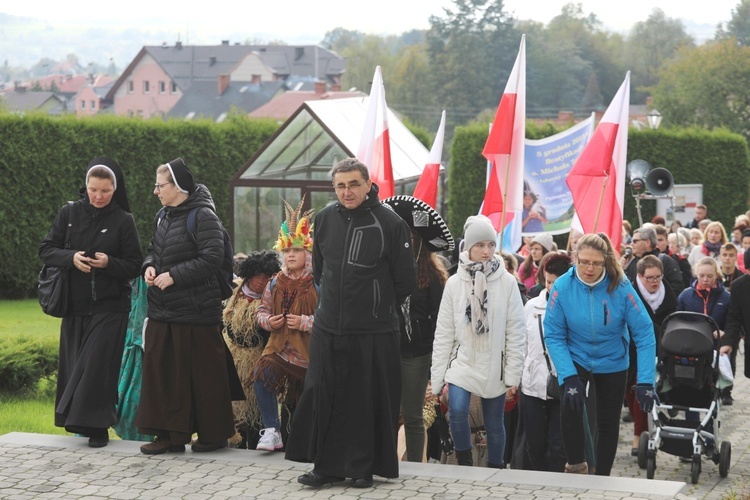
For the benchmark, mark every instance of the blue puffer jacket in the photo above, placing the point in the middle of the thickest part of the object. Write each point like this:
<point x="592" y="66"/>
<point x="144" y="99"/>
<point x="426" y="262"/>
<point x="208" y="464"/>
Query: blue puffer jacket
<point x="691" y="299"/>
<point x="589" y="326"/>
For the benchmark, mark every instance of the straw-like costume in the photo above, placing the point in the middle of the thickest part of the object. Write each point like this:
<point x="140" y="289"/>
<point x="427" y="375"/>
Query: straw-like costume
<point x="246" y="340"/>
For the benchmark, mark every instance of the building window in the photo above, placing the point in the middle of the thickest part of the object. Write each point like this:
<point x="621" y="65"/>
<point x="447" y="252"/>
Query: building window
<point x="93" y="104"/>
<point x="162" y="87"/>
<point x="174" y="88"/>
<point x="131" y="86"/>
<point x="146" y="87"/>
<point x="83" y="104"/>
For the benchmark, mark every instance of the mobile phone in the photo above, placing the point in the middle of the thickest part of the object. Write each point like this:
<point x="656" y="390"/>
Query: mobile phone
<point x="91" y="254"/>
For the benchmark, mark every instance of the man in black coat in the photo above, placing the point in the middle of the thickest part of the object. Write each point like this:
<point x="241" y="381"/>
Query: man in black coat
<point x="644" y="243"/>
<point x="346" y="421"/>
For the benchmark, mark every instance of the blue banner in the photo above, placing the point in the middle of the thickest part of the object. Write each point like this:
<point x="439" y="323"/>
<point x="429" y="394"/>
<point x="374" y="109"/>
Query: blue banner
<point x="548" y="204"/>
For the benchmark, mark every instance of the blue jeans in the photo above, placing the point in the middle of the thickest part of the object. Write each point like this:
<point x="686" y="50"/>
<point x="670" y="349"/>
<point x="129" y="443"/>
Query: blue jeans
<point x="267" y="402"/>
<point x="493" y="411"/>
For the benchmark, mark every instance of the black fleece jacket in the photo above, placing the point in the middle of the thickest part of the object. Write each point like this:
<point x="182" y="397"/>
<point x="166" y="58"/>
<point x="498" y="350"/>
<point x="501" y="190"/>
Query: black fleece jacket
<point x="363" y="262"/>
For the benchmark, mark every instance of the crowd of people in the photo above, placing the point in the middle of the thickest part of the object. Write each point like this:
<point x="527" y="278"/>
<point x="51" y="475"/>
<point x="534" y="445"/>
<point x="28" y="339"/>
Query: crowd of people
<point x="361" y="318"/>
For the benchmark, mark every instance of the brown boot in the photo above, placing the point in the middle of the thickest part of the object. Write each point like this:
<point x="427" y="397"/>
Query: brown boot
<point x="582" y="468"/>
<point x="161" y="445"/>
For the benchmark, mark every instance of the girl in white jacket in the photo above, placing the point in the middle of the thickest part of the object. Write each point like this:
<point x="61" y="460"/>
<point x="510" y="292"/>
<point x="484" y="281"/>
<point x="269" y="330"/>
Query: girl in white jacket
<point x="479" y="341"/>
<point x="541" y="415"/>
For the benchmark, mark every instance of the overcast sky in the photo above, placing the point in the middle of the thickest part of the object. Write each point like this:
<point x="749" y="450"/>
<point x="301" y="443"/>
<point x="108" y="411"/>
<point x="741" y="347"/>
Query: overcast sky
<point x="297" y="19"/>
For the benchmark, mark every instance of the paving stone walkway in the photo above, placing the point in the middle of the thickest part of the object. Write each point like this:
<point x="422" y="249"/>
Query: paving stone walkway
<point x="45" y="466"/>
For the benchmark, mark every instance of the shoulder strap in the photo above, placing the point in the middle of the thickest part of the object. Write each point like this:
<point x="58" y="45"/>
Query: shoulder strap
<point x="191" y="224"/>
<point x="544" y="346"/>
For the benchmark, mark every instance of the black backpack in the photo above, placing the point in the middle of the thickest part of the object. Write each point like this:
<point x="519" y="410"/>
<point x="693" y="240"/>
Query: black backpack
<point x="226" y="270"/>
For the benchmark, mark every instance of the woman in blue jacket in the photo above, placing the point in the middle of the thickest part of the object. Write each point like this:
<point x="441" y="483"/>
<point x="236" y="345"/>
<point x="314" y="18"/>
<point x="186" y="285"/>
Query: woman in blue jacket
<point x="591" y="313"/>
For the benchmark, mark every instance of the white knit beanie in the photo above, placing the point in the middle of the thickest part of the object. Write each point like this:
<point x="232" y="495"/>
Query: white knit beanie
<point x="478" y="228"/>
<point x="544" y="239"/>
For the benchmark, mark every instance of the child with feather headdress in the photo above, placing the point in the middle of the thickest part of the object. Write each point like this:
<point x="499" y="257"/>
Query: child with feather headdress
<point x="286" y="310"/>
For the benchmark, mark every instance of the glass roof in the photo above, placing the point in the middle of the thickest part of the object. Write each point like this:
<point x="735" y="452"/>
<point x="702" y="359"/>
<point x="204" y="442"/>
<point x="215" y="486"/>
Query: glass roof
<point x="324" y="132"/>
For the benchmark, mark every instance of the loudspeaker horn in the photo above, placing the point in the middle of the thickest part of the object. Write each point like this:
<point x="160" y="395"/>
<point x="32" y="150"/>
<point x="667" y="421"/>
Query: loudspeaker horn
<point x="637" y="170"/>
<point x="659" y="181"/>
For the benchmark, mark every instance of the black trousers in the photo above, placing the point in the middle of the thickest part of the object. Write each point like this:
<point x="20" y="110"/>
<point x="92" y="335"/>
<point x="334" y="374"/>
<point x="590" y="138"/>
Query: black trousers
<point x="544" y="443"/>
<point x="605" y="395"/>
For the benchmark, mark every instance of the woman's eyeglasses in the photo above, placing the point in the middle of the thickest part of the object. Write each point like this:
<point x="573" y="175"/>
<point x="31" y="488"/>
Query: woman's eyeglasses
<point x="591" y="263"/>
<point x="159" y="186"/>
<point x="653" y="279"/>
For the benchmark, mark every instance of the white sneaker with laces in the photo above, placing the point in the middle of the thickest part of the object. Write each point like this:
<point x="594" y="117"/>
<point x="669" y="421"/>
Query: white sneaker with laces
<point x="270" y="440"/>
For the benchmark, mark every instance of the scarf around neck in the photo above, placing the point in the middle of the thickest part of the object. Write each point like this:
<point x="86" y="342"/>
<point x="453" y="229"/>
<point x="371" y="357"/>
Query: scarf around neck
<point x="653" y="300"/>
<point x="476" y="308"/>
<point x="711" y="249"/>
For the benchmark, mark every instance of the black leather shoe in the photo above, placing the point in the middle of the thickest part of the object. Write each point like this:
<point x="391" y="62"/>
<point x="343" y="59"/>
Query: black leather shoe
<point x="315" y="479"/>
<point x="203" y="447"/>
<point x="98" y="441"/>
<point x="362" y="482"/>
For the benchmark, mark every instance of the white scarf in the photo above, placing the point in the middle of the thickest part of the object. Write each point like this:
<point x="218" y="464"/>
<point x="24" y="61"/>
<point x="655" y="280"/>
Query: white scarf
<point x="653" y="300"/>
<point x="476" y="309"/>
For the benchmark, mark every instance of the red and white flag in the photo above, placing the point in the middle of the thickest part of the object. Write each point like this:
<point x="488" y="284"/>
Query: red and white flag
<point x="427" y="186"/>
<point x="504" y="151"/>
<point x="375" y="144"/>
<point x="597" y="180"/>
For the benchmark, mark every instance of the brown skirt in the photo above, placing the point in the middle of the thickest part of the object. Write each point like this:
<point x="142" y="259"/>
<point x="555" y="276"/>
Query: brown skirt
<point x="186" y="382"/>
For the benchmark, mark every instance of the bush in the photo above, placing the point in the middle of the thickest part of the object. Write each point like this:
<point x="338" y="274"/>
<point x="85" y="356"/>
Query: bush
<point x="24" y="361"/>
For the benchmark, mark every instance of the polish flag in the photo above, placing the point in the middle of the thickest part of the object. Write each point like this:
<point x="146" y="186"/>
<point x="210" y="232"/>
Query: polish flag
<point x="597" y="180"/>
<point x="427" y="187"/>
<point x="504" y="150"/>
<point x="375" y="144"/>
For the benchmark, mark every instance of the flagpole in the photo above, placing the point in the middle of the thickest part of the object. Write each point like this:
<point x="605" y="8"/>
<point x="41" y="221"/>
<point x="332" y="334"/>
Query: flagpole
<point x="601" y="199"/>
<point x="505" y="203"/>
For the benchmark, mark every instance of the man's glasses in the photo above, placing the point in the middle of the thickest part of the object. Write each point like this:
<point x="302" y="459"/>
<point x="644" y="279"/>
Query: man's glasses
<point x="351" y="186"/>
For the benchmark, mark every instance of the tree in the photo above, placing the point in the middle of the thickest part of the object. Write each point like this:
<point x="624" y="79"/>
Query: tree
<point x="651" y="44"/>
<point x="739" y="25"/>
<point x="411" y="90"/>
<point x="471" y="50"/>
<point x="708" y="86"/>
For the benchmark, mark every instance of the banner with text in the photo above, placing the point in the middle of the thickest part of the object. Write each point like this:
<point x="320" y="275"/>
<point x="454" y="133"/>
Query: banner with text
<point x="547" y="202"/>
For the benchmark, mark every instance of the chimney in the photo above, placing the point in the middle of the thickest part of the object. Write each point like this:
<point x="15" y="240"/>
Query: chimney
<point x="212" y="60"/>
<point x="565" y="116"/>
<point x="225" y="42"/>
<point x="223" y="83"/>
<point x="178" y="45"/>
<point x="649" y="101"/>
<point x="255" y="79"/>
<point x="320" y="88"/>
<point x="298" y="53"/>
<point x="335" y="87"/>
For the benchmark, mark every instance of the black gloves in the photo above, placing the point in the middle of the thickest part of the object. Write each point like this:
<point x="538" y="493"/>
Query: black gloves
<point x="574" y="393"/>
<point x="646" y="396"/>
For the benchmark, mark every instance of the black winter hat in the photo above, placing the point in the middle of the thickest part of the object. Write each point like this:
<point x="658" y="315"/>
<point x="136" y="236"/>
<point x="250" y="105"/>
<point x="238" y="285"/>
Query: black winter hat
<point x="182" y="176"/>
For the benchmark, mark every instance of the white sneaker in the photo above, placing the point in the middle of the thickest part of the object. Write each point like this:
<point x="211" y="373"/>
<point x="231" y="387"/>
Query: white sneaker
<point x="270" y="440"/>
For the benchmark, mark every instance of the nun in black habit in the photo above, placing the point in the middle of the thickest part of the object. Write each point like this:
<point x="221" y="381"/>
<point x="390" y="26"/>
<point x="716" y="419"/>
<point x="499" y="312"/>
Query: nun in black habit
<point x="103" y="255"/>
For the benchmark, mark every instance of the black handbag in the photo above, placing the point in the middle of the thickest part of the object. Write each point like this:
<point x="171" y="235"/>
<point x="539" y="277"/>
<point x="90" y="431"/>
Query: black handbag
<point x="553" y="386"/>
<point x="52" y="288"/>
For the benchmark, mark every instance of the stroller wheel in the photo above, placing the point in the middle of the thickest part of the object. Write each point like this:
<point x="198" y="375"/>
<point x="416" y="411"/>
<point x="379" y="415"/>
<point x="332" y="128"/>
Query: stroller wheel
<point x="643" y="449"/>
<point x="650" y="467"/>
<point x="695" y="469"/>
<point x="725" y="457"/>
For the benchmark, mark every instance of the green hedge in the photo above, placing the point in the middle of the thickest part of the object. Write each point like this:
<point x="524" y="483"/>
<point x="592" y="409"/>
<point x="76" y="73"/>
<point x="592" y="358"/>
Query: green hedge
<point x="44" y="163"/>
<point x="24" y="361"/>
<point x="717" y="159"/>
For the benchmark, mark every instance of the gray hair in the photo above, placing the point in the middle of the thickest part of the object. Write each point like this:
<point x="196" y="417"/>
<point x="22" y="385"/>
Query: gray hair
<point x="647" y="233"/>
<point x="351" y="164"/>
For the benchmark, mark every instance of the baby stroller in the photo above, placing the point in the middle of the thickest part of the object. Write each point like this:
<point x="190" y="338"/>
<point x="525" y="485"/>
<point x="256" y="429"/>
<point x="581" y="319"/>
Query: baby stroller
<point x="687" y="371"/>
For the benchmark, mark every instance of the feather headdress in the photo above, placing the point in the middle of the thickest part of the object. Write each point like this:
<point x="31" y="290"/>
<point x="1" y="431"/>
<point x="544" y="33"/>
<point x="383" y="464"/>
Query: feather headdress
<point x="296" y="231"/>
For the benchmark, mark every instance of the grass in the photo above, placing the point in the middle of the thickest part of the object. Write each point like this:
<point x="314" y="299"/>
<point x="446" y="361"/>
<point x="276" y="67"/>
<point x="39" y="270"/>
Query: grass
<point x="26" y="317"/>
<point x="28" y="412"/>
